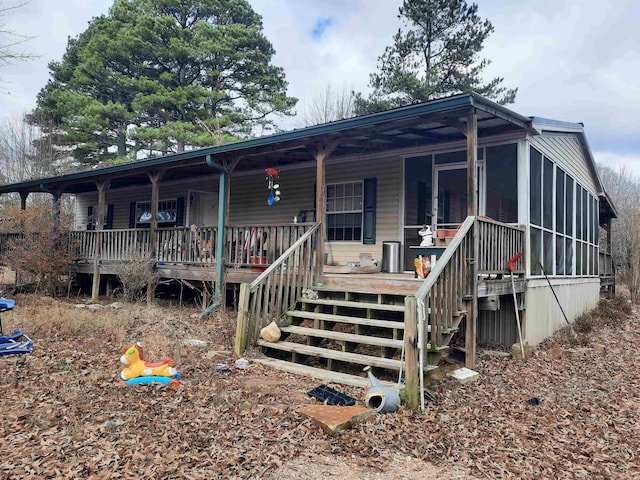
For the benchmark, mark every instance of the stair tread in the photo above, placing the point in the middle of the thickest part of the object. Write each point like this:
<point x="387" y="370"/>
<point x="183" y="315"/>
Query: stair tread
<point x="334" y="354"/>
<point x="352" y="304"/>
<point x="319" y="373"/>
<point x="371" y="322"/>
<point x="348" y="337"/>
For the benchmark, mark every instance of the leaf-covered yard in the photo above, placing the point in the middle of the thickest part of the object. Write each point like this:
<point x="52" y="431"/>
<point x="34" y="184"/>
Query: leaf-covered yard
<point x="65" y="414"/>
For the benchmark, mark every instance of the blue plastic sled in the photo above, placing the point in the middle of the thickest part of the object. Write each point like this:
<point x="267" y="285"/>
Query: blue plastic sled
<point x="14" y="344"/>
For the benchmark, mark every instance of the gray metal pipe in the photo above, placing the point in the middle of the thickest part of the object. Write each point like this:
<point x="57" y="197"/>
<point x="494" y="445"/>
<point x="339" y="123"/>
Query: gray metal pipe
<point x="380" y="398"/>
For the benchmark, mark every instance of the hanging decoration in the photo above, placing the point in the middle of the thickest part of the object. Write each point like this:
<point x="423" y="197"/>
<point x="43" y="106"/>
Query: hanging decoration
<point x="274" y="188"/>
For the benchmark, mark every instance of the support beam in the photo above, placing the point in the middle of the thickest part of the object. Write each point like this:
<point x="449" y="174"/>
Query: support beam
<point x="154" y="176"/>
<point x="472" y="210"/>
<point x="608" y="230"/>
<point x="321" y="154"/>
<point x="102" y="186"/>
<point x="23" y="200"/>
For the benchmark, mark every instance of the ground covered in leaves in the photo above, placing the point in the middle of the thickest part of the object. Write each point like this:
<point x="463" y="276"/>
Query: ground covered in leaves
<point x="570" y="411"/>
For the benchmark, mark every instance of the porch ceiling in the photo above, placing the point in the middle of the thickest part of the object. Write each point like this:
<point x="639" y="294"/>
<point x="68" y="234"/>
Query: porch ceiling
<point x="419" y="125"/>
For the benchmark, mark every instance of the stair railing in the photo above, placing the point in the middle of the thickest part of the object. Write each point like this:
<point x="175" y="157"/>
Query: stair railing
<point x="437" y="301"/>
<point x="277" y="289"/>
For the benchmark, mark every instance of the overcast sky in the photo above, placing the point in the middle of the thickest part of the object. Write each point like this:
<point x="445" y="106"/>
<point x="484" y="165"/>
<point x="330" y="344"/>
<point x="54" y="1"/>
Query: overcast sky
<point x="572" y="60"/>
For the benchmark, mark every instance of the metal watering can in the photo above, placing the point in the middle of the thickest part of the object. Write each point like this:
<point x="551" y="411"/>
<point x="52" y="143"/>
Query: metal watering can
<point x="380" y="398"/>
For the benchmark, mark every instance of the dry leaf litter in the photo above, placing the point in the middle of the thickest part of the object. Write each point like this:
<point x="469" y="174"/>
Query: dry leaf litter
<point x="66" y="415"/>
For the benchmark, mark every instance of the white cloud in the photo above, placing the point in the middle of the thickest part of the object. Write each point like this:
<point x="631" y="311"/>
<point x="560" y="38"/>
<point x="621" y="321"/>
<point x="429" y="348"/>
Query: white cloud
<point x="573" y="60"/>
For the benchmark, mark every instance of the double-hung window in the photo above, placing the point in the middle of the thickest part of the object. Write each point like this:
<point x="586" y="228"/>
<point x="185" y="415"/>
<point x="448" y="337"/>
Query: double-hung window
<point x="344" y="211"/>
<point x="167" y="211"/>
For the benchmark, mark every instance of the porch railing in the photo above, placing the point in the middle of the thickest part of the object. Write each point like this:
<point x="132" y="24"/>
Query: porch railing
<point x="244" y="244"/>
<point x="498" y="242"/>
<point x="260" y="244"/>
<point x="277" y="289"/>
<point x="606" y="265"/>
<point x="115" y="245"/>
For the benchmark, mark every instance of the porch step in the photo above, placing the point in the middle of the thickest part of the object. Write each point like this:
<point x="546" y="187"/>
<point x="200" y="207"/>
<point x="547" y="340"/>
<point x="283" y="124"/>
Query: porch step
<point x="333" y="354"/>
<point x="347" y="319"/>
<point x="360" y="305"/>
<point x="319" y="373"/>
<point x="345" y="337"/>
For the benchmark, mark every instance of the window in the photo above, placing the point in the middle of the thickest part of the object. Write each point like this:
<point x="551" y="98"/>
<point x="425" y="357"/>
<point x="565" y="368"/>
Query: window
<point x="167" y="211"/>
<point x="344" y="211"/>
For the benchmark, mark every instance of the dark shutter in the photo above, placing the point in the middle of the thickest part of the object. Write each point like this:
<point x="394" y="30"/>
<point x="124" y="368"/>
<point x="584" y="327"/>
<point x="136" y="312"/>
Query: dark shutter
<point x="132" y="215"/>
<point x="109" y="224"/>
<point x="91" y="224"/>
<point x="180" y="212"/>
<point x="369" y="213"/>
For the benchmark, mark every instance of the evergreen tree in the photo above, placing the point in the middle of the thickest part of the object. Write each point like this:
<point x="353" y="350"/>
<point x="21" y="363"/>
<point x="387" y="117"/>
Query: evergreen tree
<point x="160" y="76"/>
<point x="434" y="54"/>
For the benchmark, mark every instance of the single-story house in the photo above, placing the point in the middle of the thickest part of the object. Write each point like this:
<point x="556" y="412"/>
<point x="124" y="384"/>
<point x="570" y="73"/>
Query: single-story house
<point x="345" y="198"/>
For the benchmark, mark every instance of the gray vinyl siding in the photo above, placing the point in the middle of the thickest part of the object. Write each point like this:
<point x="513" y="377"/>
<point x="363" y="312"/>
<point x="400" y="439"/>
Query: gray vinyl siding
<point x="249" y="201"/>
<point x="121" y="199"/>
<point x="565" y="151"/>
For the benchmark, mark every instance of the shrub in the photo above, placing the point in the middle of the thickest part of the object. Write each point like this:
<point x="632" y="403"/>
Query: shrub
<point x="135" y="275"/>
<point x="40" y="250"/>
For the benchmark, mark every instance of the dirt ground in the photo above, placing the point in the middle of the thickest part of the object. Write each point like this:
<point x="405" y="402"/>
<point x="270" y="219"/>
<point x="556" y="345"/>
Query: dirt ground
<point x="66" y="415"/>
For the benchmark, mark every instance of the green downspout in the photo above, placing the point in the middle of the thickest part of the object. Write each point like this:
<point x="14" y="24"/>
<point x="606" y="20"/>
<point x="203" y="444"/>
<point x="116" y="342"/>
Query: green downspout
<point x="222" y="208"/>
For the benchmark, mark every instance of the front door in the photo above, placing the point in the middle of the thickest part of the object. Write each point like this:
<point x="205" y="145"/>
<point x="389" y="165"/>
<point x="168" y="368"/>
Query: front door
<point x="202" y="208"/>
<point x="450" y="195"/>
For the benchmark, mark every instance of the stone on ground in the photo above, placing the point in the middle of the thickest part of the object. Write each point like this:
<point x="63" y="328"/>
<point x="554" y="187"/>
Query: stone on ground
<point x="464" y="375"/>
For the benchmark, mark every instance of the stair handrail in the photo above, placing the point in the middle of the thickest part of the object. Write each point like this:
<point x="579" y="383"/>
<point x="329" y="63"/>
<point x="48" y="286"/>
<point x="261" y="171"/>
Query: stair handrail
<point x="421" y="300"/>
<point x="442" y="262"/>
<point x="281" y="259"/>
<point x="257" y="300"/>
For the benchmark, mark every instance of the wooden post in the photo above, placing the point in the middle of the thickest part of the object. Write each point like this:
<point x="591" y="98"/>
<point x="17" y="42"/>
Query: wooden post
<point x="321" y="154"/>
<point x="608" y="230"/>
<point x="242" y="325"/>
<point x="155" y="177"/>
<point x="102" y="186"/>
<point x="23" y="200"/>
<point x="412" y="370"/>
<point x="472" y="210"/>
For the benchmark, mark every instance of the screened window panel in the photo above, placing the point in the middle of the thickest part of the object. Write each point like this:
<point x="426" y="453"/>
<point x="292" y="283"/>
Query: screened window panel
<point x="547" y="194"/>
<point x="569" y="206"/>
<point x="536" y="250"/>
<point x="548" y="252"/>
<point x="535" y="185"/>
<point x="560" y="201"/>
<point x="560" y="261"/>
<point x="578" y="258"/>
<point x="578" y="211"/>
<point x="568" y="256"/>
<point x="585" y="251"/>
<point x="585" y="209"/>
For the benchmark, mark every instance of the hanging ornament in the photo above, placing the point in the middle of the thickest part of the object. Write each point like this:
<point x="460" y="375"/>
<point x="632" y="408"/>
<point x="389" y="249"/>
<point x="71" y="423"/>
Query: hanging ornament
<point x="274" y="188"/>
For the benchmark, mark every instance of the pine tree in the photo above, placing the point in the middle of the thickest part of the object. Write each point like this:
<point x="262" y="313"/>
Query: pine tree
<point x="435" y="53"/>
<point x="160" y="76"/>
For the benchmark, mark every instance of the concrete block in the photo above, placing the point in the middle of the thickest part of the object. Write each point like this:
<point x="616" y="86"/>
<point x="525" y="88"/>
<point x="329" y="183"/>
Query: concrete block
<point x="464" y="375"/>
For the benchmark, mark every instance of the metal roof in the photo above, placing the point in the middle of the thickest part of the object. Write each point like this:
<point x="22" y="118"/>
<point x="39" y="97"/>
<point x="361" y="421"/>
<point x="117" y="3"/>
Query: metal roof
<point x="429" y="123"/>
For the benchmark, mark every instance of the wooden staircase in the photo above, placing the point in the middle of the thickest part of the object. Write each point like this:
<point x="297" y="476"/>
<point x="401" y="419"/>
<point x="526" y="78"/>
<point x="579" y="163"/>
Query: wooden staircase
<point x="334" y="336"/>
<point x="355" y="322"/>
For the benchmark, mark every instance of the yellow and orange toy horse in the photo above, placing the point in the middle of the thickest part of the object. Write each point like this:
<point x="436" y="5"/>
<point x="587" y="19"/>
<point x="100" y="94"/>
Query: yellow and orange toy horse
<point x="137" y="367"/>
